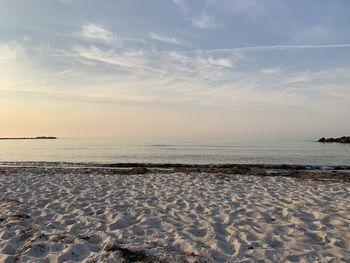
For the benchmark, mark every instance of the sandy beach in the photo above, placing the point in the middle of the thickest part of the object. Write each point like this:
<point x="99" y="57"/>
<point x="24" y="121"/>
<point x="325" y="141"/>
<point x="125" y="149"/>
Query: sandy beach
<point x="53" y="214"/>
<point x="179" y="131"/>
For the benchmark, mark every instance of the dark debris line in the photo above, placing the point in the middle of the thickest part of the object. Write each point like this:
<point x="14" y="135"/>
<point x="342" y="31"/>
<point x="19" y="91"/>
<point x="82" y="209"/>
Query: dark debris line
<point x="337" y="173"/>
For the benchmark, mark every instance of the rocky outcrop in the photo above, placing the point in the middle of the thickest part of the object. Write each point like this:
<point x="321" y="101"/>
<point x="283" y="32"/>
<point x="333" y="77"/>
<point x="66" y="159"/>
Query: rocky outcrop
<point x="343" y="139"/>
<point x="30" y="138"/>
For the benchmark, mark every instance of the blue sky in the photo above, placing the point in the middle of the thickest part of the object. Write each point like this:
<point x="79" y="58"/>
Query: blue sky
<point x="237" y="65"/>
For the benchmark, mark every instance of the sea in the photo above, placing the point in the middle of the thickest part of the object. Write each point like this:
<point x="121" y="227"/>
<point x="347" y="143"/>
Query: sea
<point x="303" y="151"/>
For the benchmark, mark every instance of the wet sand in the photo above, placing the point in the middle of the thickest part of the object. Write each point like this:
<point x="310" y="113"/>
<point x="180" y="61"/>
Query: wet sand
<point x="76" y="213"/>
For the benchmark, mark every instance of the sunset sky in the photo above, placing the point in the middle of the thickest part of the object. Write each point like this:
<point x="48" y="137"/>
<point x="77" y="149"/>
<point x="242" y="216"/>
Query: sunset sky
<point x="174" y="68"/>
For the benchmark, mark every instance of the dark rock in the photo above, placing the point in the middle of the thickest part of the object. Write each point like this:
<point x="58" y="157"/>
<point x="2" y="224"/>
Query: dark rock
<point x="128" y="254"/>
<point x="344" y="139"/>
<point x="30" y="138"/>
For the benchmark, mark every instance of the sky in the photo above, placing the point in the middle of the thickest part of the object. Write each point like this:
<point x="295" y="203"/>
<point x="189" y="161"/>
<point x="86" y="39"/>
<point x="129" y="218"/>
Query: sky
<point x="174" y="68"/>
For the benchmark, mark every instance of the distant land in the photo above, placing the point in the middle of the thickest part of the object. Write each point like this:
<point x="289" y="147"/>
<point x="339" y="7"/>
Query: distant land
<point x="343" y="139"/>
<point x="30" y="138"/>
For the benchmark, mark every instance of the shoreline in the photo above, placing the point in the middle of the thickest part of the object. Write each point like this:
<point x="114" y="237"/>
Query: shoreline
<point x="176" y="165"/>
<point x="313" y="172"/>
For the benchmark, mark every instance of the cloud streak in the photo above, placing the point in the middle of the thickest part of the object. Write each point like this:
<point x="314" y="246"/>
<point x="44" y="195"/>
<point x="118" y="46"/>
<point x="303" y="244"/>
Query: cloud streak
<point x="279" y="47"/>
<point x="272" y="71"/>
<point x="124" y="60"/>
<point x="203" y="78"/>
<point x="98" y="32"/>
<point x="168" y="40"/>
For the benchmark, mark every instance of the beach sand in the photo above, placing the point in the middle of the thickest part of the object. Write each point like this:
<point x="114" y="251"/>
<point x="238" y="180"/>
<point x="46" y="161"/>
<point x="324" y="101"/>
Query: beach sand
<point x="93" y="215"/>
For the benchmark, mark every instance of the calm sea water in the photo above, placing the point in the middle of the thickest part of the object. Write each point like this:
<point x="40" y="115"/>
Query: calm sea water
<point x="283" y="151"/>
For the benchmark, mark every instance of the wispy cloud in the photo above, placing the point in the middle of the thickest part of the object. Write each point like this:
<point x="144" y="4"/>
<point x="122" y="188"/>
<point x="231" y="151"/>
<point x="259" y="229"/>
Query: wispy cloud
<point x="272" y="71"/>
<point x="211" y="78"/>
<point x="98" y="32"/>
<point x="194" y="56"/>
<point x="134" y="61"/>
<point x="252" y="8"/>
<point x="109" y="56"/>
<point x="201" y="60"/>
<point x="221" y="62"/>
<point x="64" y="72"/>
<point x="205" y="21"/>
<point x="178" y="57"/>
<point x="300" y="77"/>
<point x="169" y="40"/>
<point x="206" y="77"/>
